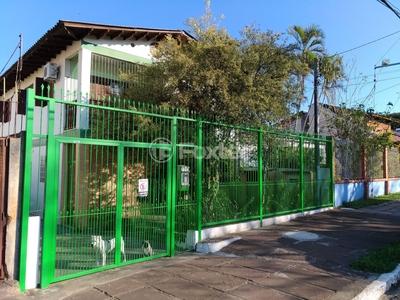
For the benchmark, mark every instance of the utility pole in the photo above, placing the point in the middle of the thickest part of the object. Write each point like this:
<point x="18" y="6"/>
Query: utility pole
<point x="316" y="131"/>
<point x="316" y="102"/>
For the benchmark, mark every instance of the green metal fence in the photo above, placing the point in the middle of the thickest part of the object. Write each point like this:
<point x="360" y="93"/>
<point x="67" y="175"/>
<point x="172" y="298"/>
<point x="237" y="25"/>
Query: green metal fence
<point x="117" y="182"/>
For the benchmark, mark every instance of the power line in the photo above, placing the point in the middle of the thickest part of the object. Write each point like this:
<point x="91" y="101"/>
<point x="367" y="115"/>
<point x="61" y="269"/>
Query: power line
<point x="388" y="50"/>
<point x="391" y="7"/>
<point x="368" y="43"/>
<point x="1" y="72"/>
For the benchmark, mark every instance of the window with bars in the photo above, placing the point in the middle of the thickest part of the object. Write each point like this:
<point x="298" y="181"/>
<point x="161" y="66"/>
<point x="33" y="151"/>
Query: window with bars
<point x="105" y="77"/>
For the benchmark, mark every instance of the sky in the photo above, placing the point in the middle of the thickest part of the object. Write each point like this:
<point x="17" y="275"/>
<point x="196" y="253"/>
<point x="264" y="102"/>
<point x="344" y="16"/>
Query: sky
<point x="364" y="32"/>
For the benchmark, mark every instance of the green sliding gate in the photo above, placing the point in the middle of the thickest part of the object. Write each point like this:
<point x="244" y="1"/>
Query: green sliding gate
<point x="107" y="191"/>
<point x="114" y="182"/>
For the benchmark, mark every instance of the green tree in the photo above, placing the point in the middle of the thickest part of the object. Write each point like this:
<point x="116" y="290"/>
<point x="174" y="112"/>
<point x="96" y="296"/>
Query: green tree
<point x="310" y="45"/>
<point x="354" y="130"/>
<point x="331" y="69"/>
<point x="247" y="81"/>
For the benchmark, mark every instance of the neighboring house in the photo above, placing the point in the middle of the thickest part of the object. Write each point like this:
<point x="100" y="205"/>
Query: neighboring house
<point x="72" y="61"/>
<point x="299" y="122"/>
<point x="366" y="175"/>
<point x="305" y="123"/>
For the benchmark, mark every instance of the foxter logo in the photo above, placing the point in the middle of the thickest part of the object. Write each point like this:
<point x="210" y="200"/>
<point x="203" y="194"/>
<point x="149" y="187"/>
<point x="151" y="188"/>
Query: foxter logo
<point x="159" y="152"/>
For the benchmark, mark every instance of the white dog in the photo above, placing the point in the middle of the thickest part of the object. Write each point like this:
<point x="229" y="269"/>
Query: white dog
<point x="105" y="246"/>
<point x="146" y="248"/>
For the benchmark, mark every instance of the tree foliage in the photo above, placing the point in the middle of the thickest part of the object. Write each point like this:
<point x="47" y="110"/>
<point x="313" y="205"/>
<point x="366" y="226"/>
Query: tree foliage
<point x="360" y="127"/>
<point x="310" y="45"/>
<point x="247" y="81"/>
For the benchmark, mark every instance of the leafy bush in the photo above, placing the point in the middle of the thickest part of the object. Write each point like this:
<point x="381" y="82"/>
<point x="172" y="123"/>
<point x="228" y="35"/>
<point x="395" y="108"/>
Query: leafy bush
<point x="281" y="196"/>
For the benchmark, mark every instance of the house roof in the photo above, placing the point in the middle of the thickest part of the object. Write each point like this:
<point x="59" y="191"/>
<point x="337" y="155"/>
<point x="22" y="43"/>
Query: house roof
<point x="64" y="33"/>
<point x="375" y="116"/>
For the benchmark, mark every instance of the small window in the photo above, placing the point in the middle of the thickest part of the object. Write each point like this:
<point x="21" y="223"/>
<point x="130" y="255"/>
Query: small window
<point x="5" y="111"/>
<point x="21" y="108"/>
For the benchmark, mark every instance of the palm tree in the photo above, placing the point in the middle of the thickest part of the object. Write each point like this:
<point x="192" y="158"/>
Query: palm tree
<point x="310" y="44"/>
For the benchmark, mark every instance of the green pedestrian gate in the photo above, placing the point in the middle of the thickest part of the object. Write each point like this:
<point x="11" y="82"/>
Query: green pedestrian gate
<point x="114" y="182"/>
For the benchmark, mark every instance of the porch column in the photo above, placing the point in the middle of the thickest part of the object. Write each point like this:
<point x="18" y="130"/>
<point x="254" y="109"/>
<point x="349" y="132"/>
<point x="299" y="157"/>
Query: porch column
<point x="84" y="67"/>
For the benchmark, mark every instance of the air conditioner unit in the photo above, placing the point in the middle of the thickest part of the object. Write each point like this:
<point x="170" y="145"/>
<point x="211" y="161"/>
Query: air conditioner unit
<point x="50" y="72"/>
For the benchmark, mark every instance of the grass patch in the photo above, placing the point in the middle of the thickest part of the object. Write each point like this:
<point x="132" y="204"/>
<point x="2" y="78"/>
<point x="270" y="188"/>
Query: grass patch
<point x="382" y="260"/>
<point x="371" y="201"/>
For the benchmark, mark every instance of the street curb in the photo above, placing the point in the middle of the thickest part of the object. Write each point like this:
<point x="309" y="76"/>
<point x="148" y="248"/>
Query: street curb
<point x="214" y="246"/>
<point x="379" y="286"/>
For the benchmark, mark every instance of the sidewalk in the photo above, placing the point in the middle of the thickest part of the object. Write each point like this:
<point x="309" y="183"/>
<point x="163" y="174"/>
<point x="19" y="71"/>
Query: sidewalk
<point x="306" y="258"/>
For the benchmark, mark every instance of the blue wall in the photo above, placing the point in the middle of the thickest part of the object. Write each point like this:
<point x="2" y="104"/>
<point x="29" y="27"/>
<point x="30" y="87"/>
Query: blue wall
<point x="348" y="192"/>
<point x="394" y="186"/>
<point x="376" y="189"/>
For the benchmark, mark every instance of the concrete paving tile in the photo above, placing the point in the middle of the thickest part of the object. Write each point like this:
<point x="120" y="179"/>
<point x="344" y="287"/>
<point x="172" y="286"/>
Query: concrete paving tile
<point x="185" y="289"/>
<point x="241" y="244"/>
<point x="243" y="248"/>
<point x="209" y="261"/>
<point x="144" y="294"/>
<point x="288" y="254"/>
<point x="256" y="292"/>
<point x="350" y="242"/>
<point x="270" y="266"/>
<point x="216" y="280"/>
<point x="178" y="269"/>
<point x="152" y="275"/>
<point x="318" y="269"/>
<point x="88" y="293"/>
<point x="297" y="288"/>
<point x="226" y="296"/>
<point x="350" y="291"/>
<point x="321" y="249"/>
<point x="241" y="272"/>
<point x="318" y="279"/>
<point x="120" y="286"/>
<point x="261" y="237"/>
<point x="327" y="264"/>
<point x="331" y="256"/>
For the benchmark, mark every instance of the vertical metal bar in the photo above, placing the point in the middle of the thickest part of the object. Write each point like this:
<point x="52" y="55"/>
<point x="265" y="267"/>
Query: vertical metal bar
<point x="260" y="175"/>
<point x="118" y="204"/>
<point x="173" y="182"/>
<point x="301" y="145"/>
<point x="199" y="176"/>
<point x="30" y="101"/>
<point x="50" y="204"/>
<point x="331" y="164"/>
<point x="169" y="220"/>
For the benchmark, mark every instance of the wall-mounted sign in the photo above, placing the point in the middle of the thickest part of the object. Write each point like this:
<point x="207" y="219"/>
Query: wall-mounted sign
<point x="143" y="187"/>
